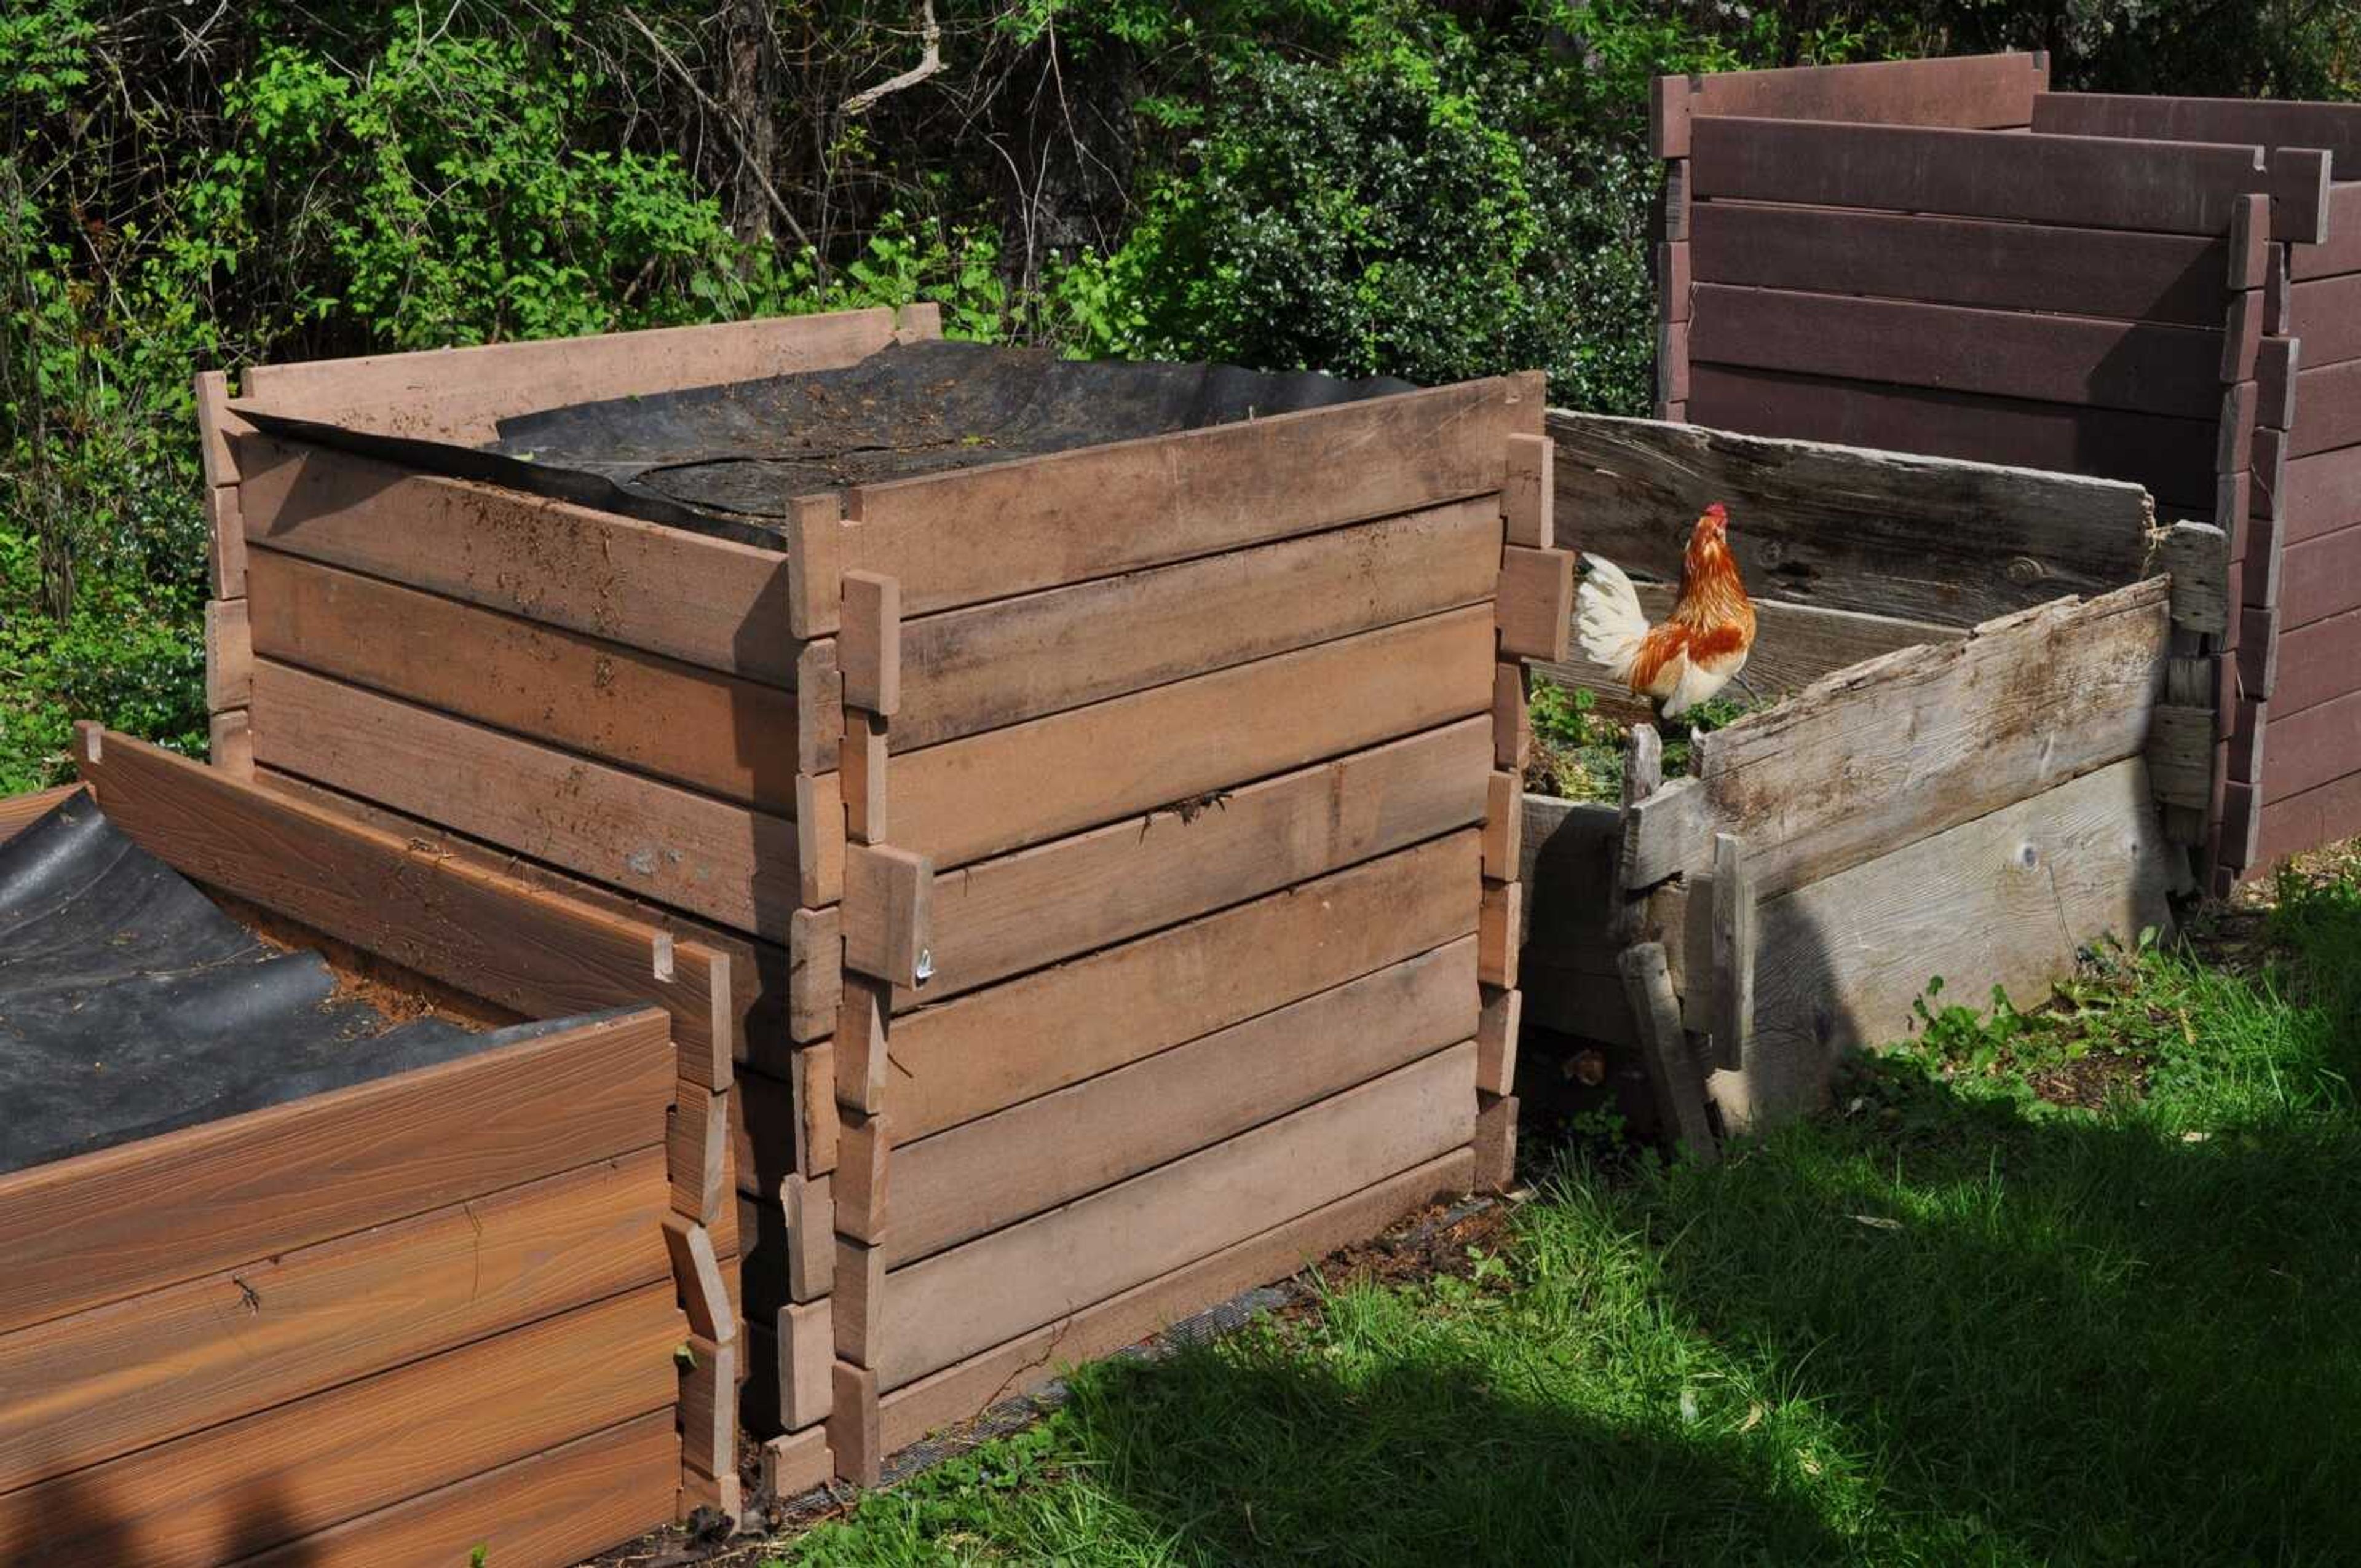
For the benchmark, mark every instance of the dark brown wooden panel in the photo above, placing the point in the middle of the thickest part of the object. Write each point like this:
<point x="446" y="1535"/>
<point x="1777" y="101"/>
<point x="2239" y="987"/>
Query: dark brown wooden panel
<point x="2160" y="186"/>
<point x="2305" y="750"/>
<point x="2112" y="273"/>
<point x="2321" y="494"/>
<point x="2246" y="122"/>
<point x="2326" y="316"/>
<point x="2327" y="409"/>
<point x="2318" y="662"/>
<point x="2319" y="577"/>
<point x="2063" y="359"/>
<point x="1983" y="92"/>
<point x="2172" y="457"/>
<point x="2342" y="252"/>
<point x="2328" y="814"/>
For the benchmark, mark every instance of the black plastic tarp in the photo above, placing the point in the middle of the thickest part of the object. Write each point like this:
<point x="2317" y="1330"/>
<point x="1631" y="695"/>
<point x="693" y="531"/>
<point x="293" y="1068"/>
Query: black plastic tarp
<point x="729" y="459"/>
<point x="130" y="1005"/>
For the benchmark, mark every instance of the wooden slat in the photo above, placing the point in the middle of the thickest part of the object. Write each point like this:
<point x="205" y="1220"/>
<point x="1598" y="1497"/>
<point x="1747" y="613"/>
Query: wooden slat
<point x="956" y="1185"/>
<point x="314" y="1462"/>
<point x="2124" y="276"/>
<point x="2197" y="557"/>
<point x="728" y="737"/>
<point x="18" y="812"/>
<point x="2159" y="187"/>
<point x="958" y="1302"/>
<point x="652" y="839"/>
<point x="106" y="1382"/>
<point x="1179" y="496"/>
<point x="1856" y="531"/>
<point x="461" y="394"/>
<point x="2321" y="577"/>
<point x="557" y="1507"/>
<point x="2273" y="124"/>
<point x="2006" y="900"/>
<point x="1009" y="1043"/>
<point x="705" y="601"/>
<point x="2173" y="458"/>
<point x="991" y="792"/>
<point x="2321" y="494"/>
<point x="2317" y="662"/>
<point x="144" y="1215"/>
<point x="229" y="655"/>
<point x="2328" y="814"/>
<point x="2327" y="316"/>
<point x="2342" y="252"/>
<point x="482" y="933"/>
<point x="1671" y="1066"/>
<point x="1926" y="739"/>
<point x="1004" y="915"/>
<point x="2327" y="410"/>
<point x="1019" y="658"/>
<point x="2317" y="746"/>
<point x="1988" y="92"/>
<point x="2130" y="366"/>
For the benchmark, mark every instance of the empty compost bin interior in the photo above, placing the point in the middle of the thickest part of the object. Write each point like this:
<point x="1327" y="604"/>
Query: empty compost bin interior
<point x="130" y="1005"/>
<point x="730" y="459"/>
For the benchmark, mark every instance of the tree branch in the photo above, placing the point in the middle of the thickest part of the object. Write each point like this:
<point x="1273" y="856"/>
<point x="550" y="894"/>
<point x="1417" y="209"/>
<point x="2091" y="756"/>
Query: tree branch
<point x="929" y="63"/>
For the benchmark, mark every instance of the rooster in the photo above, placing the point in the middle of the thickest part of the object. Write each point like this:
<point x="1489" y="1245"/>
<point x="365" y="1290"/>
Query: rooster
<point x="1691" y="656"/>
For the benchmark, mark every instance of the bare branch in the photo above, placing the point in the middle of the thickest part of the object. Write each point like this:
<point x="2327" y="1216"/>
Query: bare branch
<point x="929" y="63"/>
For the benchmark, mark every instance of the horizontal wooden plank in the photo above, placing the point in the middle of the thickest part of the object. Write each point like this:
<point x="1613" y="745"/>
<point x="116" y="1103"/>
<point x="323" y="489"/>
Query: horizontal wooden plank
<point x="2270" y="124"/>
<point x="1017" y="659"/>
<point x="1009" y="1043"/>
<point x="963" y="1390"/>
<point x="652" y="839"/>
<point x="18" y="812"/>
<point x="1118" y="507"/>
<point x="2320" y="577"/>
<point x="1007" y="1167"/>
<point x="2342" y="251"/>
<point x="1039" y="905"/>
<point x="1919" y="538"/>
<point x="1987" y="92"/>
<point x="2004" y="900"/>
<point x="557" y="1507"/>
<point x="2327" y="410"/>
<point x="728" y="737"/>
<point x="2326" y="314"/>
<point x="461" y="394"/>
<point x="2318" y="662"/>
<point x="710" y="602"/>
<point x="121" y="1377"/>
<point x="2129" y="366"/>
<point x="1893" y="750"/>
<point x="2122" y="275"/>
<point x="1048" y="777"/>
<point x="956" y="1303"/>
<point x="487" y="935"/>
<point x="2321" y="494"/>
<point x="144" y="1215"/>
<point x="2330" y="814"/>
<point x="304" y="1466"/>
<point x="2306" y="749"/>
<point x="2173" y="458"/>
<point x="2161" y="187"/>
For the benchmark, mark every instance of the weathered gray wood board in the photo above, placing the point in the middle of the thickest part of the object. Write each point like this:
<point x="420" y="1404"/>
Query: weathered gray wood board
<point x="1872" y="532"/>
<point x="2006" y="900"/>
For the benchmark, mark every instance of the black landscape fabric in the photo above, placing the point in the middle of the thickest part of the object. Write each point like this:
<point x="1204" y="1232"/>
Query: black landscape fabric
<point x="730" y="459"/>
<point x="131" y="1005"/>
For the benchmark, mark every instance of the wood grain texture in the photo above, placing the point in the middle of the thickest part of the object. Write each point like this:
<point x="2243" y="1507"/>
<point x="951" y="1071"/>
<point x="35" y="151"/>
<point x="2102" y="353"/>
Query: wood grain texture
<point x="1192" y="494"/>
<point x="889" y="915"/>
<point x="2321" y="494"/>
<point x="2131" y="365"/>
<point x="145" y="1215"/>
<point x="18" y="812"/>
<point x="2321" y="577"/>
<point x="481" y="932"/>
<point x="1022" y="658"/>
<point x="79" y="1390"/>
<point x="2004" y="900"/>
<point x="229" y="655"/>
<point x="1030" y="1359"/>
<point x="2247" y="122"/>
<point x="1932" y="737"/>
<point x="2317" y="746"/>
<point x="1671" y="1066"/>
<point x="959" y="1302"/>
<point x="728" y="737"/>
<point x="1003" y="1167"/>
<point x="2158" y="187"/>
<point x="1845" y="529"/>
<point x="709" y="602"/>
<point x="2342" y="251"/>
<point x="317" y="1462"/>
<point x="2326" y="314"/>
<point x="650" y="839"/>
<point x="2164" y="279"/>
<point x="2327" y="409"/>
<point x="2196" y="556"/>
<point x="697" y="1274"/>
<point x="2317" y="662"/>
<point x="1001" y="916"/>
<point x="546" y="1511"/>
<point x="1984" y="92"/>
<point x="709" y="1407"/>
<point x="1535" y="609"/>
<point x="869" y="649"/>
<point x="988" y="794"/>
<point x="1496" y="1040"/>
<point x="1009" y="1043"/>
<point x="461" y="394"/>
<point x="1527" y="506"/>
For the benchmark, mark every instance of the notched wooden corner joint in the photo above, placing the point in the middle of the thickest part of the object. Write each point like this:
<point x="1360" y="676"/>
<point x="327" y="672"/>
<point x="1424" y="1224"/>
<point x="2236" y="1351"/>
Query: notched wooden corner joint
<point x="869" y="647"/>
<point x="1535" y="609"/>
<point x="888" y="910"/>
<point x="815" y="564"/>
<point x="1527" y="492"/>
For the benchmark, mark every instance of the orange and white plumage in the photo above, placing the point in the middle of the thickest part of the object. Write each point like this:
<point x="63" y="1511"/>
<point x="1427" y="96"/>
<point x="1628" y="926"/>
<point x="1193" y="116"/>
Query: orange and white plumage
<point x="1698" y="650"/>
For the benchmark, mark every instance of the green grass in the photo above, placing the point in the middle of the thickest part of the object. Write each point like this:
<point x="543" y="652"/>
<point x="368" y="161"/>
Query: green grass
<point x="1949" y="1323"/>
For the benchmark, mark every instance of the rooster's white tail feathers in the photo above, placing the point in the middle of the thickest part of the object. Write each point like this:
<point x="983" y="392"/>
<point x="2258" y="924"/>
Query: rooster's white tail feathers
<point x="1606" y="617"/>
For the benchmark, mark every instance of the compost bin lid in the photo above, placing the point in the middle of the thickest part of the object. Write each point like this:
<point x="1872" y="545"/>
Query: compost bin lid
<point x="730" y="459"/>
<point x="131" y="1005"/>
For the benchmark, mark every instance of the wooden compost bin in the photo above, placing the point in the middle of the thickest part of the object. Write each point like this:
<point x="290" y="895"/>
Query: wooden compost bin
<point x="395" y="1320"/>
<point x="1118" y="847"/>
<point x="1971" y="775"/>
<point x="2161" y="290"/>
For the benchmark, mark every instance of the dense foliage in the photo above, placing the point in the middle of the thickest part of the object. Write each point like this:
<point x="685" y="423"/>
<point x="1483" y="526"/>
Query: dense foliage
<point x="1359" y="185"/>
